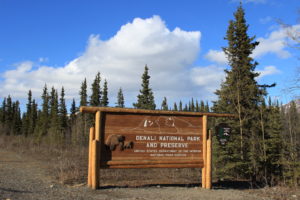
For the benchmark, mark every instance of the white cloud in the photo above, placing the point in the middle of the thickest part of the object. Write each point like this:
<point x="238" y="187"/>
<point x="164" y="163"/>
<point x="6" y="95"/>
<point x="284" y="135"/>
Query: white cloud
<point x="208" y="78"/>
<point x="268" y="70"/>
<point x="274" y="43"/>
<point x="121" y="60"/>
<point x="216" y="56"/>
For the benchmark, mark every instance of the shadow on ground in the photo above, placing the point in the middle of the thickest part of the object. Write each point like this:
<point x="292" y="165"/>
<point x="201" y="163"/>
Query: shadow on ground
<point x="13" y="190"/>
<point x="238" y="185"/>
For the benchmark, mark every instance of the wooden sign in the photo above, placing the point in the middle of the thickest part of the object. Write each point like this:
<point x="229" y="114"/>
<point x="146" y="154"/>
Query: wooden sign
<point x="134" y="138"/>
<point x="151" y="140"/>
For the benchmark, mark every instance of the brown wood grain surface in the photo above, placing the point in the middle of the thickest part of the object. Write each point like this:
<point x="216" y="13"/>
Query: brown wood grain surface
<point x="158" y="140"/>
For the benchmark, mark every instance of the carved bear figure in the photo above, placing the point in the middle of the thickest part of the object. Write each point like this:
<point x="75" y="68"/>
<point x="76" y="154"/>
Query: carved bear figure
<point x="112" y="141"/>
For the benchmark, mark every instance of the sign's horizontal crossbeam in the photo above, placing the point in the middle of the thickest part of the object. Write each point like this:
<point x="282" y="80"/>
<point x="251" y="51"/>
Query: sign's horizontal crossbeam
<point x="89" y="109"/>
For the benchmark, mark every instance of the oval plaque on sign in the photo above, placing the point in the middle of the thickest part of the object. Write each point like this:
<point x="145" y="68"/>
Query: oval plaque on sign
<point x="223" y="133"/>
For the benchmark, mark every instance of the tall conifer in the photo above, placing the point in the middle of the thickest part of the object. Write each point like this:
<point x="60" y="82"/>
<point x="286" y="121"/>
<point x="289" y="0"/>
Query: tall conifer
<point x="17" y="121"/>
<point x="83" y="94"/>
<point x="175" y="108"/>
<point x="63" y="113"/>
<point x="240" y="94"/>
<point x="120" y="99"/>
<point x="95" y="98"/>
<point x="145" y="98"/>
<point x="180" y="106"/>
<point x="164" y="104"/>
<point x="33" y="117"/>
<point x="291" y="158"/>
<point x="54" y="116"/>
<point x="83" y="118"/>
<point x="8" y="115"/>
<point x="104" y="101"/>
<point x="73" y="110"/>
<point x="43" y="117"/>
<point x="3" y="111"/>
<point x="27" y="115"/>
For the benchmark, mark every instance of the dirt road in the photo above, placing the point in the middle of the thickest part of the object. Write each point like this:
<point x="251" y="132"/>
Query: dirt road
<point x="22" y="177"/>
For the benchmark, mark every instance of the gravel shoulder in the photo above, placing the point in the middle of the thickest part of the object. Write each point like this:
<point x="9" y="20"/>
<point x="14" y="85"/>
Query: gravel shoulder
<point x="22" y="177"/>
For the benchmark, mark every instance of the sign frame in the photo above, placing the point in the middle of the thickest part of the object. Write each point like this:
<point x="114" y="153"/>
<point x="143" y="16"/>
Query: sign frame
<point x="97" y="143"/>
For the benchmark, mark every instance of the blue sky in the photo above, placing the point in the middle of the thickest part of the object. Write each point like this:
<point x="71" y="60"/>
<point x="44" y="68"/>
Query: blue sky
<point x="60" y="42"/>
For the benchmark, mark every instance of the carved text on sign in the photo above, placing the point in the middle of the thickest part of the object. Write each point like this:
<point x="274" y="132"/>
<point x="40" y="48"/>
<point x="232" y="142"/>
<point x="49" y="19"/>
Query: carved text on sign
<point x="158" y="138"/>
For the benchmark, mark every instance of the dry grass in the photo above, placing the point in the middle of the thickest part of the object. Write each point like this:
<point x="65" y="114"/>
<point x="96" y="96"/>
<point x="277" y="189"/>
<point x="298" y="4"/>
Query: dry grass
<point x="68" y="165"/>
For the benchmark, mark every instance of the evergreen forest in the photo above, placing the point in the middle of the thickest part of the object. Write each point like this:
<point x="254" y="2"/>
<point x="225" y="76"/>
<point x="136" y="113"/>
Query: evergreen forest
<point x="264" y="145"/>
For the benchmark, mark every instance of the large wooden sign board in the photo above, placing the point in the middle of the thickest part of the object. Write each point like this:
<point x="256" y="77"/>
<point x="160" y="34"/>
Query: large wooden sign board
<point x="132" y="138"/>
<point x="152" y="141"/>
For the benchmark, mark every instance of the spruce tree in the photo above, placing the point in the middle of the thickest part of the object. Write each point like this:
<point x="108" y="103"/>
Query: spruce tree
<point x="33" y="117"/>
<point x="186" y="108"/>
<point x="291" y="154"/>
<point x="95" y="98"/>
<point x="164" y="104"/>
<point x="175" y="108"/>
<point x="54" y="130"/>
<point x="145" y="98"/>
<point x="63" y="113"/>
<point x="27" y="115"/>
<point x="3" y="117"/>
<point x="9" y="115"/>
<point x="83" y="117"/>
<point x="83" y="94"/>
<point x="120" y="99"/>
<point x="104" y="101"/>
<point x="73" y="111"/>
<point x="180" y="106"/>
<point x="240" y="94"/>
<point x="192" y="105"/>
<point x="3" y="111"/>
<point x="274" y="144"/>
<point x="73" y="128"/>
<point x="17" y="121"/>
<point x="197" y="106"/>
<point x="206" y="108"/>
<point x="43" y="116"/>
<point x="29" y="121"/>
<point x="202" y="106"/>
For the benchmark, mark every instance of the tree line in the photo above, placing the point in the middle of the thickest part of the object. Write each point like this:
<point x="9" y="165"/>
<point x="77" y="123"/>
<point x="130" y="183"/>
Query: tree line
<point x="264" y="145"/>
<point x="51" y="120"/>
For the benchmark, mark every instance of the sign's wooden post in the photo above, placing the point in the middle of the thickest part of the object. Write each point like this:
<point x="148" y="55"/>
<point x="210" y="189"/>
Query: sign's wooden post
<point x="209" y="161"/>
<point x="96" y="152"/>
<point x="95" y="169"/>
<point x="204" y="135"/>
<point x="97" y="125"/>
<point x="91" y="138"/>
